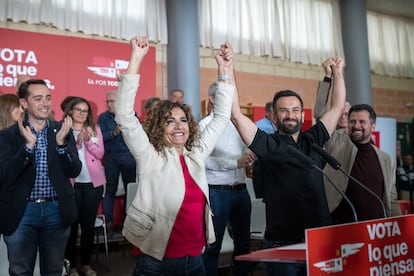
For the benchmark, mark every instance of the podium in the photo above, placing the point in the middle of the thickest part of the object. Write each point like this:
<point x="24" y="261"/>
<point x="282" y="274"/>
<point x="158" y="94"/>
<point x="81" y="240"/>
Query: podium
<point x="375" y="247"/>
<point x="295" y="253"/>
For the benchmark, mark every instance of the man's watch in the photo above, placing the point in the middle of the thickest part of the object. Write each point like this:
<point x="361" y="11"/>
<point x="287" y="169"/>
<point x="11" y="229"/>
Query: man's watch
<point x="327" y="79"/>
<point x="63" y="146"/>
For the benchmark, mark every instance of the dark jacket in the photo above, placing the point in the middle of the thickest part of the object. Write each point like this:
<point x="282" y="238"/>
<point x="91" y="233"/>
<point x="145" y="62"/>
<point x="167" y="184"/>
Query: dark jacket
<point x="18" y="173"/>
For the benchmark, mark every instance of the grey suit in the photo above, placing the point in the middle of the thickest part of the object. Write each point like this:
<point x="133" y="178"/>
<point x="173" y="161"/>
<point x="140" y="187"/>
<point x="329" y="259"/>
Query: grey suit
<point x="341" y="147"/>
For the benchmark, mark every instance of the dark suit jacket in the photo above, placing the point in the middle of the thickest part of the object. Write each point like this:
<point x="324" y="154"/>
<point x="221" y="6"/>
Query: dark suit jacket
<point x="18" y="173"/>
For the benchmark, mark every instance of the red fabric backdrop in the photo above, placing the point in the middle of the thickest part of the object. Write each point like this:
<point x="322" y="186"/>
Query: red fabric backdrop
<point x="72" y="66"/>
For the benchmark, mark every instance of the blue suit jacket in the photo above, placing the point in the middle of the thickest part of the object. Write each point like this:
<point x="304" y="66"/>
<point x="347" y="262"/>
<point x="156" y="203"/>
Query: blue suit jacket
<point x="18" y="173"/>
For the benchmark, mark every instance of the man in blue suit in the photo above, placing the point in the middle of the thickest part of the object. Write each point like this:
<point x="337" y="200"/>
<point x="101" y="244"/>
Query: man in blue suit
<point x="37" y="201"/>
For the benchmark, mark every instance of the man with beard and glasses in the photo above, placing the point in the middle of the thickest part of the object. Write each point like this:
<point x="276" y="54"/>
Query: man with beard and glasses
<point x="374" y="168"/>
<point x="293" y="192"/>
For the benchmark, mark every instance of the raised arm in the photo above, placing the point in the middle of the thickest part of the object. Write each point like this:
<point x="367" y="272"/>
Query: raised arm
<point x="132" y="132"/>
<point x="125" y="98"/>
<point x="139" y="48"/>
<point x="322" y="95"/>
<point x="222" y="102"/>
<point x="246" y="128"/>
<point x="336" y="101"/>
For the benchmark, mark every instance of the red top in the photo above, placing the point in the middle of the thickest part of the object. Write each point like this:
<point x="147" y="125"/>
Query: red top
<point x="187" y="236"/>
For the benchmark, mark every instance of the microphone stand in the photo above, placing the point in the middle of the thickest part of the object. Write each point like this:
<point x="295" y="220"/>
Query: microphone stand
<point x="366" y="189"/>
<point x="335" y="165"/>
<point x="339" y="191"/>
<point x="309" y="162"/>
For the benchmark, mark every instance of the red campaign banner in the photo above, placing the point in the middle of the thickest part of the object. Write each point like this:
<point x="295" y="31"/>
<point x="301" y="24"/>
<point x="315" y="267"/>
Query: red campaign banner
<point x="307" y="122"/>
<point x="376" y="138"/>
<point x="378" y="247"/>
<point x="258" y="113"/>
<point x="71" y="66"/>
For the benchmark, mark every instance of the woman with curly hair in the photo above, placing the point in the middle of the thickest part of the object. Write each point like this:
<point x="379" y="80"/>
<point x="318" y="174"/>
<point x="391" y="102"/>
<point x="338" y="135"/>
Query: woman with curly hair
<point x="88" y="185"/>
<point x="169" y="219"/>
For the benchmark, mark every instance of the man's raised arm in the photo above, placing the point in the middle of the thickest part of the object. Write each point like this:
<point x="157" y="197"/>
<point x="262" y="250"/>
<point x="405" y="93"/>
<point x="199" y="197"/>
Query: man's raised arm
<point x="246" y="128"/>
<point x="337" y="97"/>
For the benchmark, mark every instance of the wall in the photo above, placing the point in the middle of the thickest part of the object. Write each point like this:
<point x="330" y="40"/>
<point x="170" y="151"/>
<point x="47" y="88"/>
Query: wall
<point x="259" y="77"/>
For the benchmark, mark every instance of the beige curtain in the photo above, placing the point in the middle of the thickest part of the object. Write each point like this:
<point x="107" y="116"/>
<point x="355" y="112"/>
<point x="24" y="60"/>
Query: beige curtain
<point x="304" y="31"/>
<point x="391" y="45"/>
<point x="296" y="30"/>
<point x="251" y="26"/>
<point x="108" y="18"/>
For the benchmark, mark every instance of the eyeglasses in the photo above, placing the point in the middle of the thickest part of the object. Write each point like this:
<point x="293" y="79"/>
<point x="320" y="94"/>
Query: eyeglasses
<point x="81" y="110"/>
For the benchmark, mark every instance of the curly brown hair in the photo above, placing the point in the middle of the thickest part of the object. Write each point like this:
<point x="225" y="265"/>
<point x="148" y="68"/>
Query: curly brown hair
<point x="155" y="122"/>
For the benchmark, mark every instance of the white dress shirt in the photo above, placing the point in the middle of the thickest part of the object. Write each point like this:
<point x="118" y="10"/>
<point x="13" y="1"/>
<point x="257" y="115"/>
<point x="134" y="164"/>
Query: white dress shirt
<point x="221" y="165"/>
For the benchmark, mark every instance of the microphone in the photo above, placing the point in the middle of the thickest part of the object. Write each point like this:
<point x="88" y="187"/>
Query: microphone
<point x="309" y="162"/>
<point x="326" y="156"/>
<point x="301" y="156"/>
<point x="337" y="166"/>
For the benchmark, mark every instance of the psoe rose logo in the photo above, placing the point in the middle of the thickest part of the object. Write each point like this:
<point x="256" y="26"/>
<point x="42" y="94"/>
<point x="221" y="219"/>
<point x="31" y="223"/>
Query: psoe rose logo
<point x="336" y="264"/>
<point x="107" y="69"/>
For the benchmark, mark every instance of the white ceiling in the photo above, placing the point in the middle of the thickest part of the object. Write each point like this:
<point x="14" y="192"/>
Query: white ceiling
<point x="404" y="8"/>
